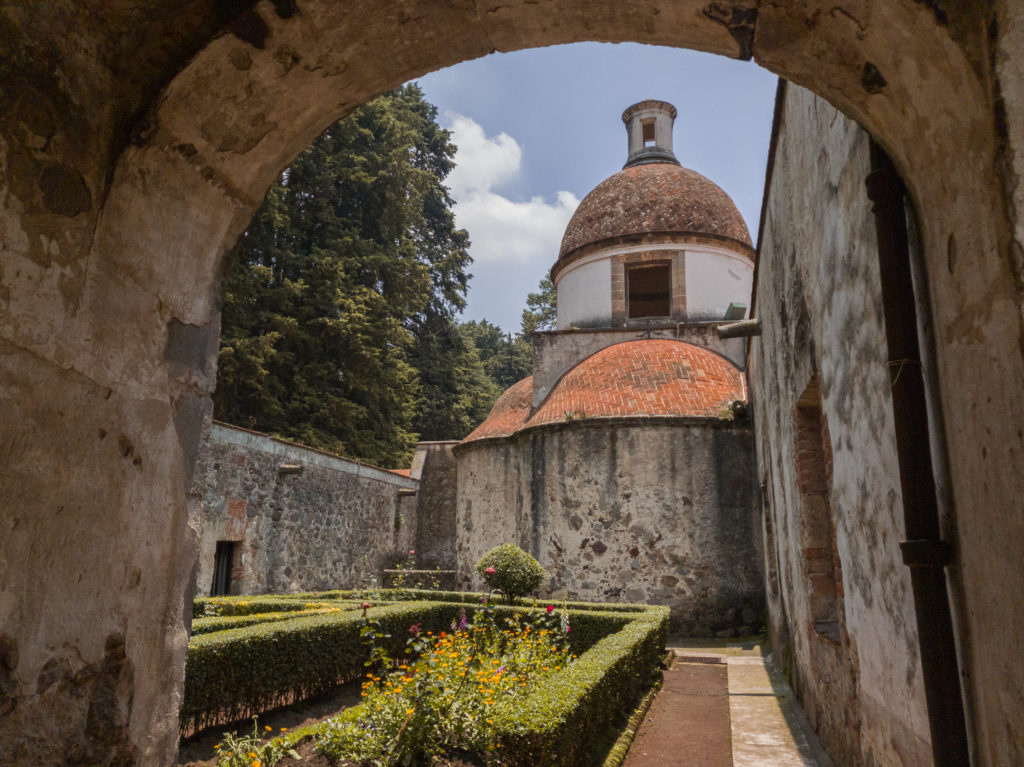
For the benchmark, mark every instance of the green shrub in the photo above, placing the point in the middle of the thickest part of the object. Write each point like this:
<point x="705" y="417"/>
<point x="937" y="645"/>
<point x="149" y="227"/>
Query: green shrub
<point x="205" y="607"/>
<point x="560" y="724"/>
<point x="240" y="672"/>
<point x="511" y="570"/>
<point x="225" y="622"/>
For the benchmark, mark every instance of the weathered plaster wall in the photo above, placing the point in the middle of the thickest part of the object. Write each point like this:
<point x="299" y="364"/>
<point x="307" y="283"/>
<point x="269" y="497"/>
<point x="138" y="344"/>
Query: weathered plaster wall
<point x="434" y="543"/>
<point x="133" y="150"/>
<point x="305" y="520"/>
<point x="661" y="513"/>
<point x="819" y="300"/>
<point x="585" y="295"/>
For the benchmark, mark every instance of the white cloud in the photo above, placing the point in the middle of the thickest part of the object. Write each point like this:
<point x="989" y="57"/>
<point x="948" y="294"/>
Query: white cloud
<point x="501" y="229"/>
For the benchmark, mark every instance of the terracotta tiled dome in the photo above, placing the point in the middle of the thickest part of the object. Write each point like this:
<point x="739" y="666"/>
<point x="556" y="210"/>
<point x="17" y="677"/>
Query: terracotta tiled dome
<point x="644" y="378"/>
<point x="652" y="377"/>
<point x="508" y="414"/>
<point x="657" y="198"/>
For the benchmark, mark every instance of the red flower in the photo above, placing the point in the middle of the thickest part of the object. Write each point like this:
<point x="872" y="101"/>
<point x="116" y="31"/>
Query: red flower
<point x="490" y="571"/>
<point x="551" y="609"/>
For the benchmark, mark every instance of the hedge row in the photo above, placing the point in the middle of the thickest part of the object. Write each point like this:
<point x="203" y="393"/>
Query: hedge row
<point x="560" y="723"/>
<point x="210" y="606"/>
<point x="239" y="672"/>
<point x="391" y="595"/>
<point x="225" y="622"/>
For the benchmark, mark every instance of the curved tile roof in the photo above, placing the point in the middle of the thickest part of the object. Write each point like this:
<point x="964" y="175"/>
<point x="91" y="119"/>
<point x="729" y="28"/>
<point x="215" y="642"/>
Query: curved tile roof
<point x="652" y="377"/>
<point x="654" y="199"/>
<point x="508" y="414"/>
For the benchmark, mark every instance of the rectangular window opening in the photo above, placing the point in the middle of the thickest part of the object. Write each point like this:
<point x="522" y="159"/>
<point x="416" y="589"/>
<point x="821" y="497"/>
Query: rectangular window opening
<point x="647" y="126"/>
<point x="223" y="561"/>
<point x="649" y="291"/>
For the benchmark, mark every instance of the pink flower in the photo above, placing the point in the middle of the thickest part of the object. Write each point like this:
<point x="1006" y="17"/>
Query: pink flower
<point x="490" y="571"/>
<point x="551" y="609"/>
<point x="412" y="551"/>
<point x="415" y="629"/>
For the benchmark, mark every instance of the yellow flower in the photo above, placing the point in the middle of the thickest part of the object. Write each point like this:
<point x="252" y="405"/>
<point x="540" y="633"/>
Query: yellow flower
<point x="284" y="729"/>
<point x="409" y="711"/>
<point x="217" y="746"/>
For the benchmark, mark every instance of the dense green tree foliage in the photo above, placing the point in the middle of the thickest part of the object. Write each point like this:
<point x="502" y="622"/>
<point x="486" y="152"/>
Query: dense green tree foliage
<point x="349" y="274"/>
<point x="506" y="358"/>
<point x="540" y="312"/>
<point x="339" y="325"/>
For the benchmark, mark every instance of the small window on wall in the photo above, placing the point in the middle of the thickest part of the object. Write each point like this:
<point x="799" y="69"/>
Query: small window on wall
<point x="648" y="291"/>
<point x="648" y="132"/>
<point x="223" y="560"/>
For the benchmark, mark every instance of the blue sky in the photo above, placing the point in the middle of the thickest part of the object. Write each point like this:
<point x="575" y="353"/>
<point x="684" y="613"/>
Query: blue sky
<point x="538" y="129"/>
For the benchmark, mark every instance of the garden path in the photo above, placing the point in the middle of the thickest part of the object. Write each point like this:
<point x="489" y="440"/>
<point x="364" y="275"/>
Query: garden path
<point x="766" y="724"/>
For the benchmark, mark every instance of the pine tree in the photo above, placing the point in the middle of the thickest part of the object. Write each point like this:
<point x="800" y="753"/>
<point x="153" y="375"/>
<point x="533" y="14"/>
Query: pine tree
<point x="541" y="310"/>
<point x="351" y="263"/>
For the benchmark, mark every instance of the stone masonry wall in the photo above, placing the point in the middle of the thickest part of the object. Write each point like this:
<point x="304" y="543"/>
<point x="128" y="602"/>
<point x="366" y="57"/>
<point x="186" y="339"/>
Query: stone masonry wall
<point x="434" y="467"/>
<point x="658" y="512"/>
<point x="826" y="450"/>
<point x="302" y="519"/>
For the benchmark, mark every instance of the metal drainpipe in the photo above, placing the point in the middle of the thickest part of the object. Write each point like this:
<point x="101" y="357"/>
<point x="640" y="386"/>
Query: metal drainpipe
<point x="924" y="551"/>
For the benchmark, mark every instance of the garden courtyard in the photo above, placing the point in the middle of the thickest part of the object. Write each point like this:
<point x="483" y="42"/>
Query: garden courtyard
<point x="416" y="677"/>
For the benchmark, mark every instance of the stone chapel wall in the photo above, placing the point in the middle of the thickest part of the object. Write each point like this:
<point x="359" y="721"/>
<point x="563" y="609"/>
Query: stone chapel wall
<point x="624" y="512"/>
<point x="300" y="519"/>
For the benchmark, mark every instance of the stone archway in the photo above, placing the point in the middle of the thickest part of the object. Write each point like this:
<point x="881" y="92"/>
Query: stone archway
<point x="113" y="241"/>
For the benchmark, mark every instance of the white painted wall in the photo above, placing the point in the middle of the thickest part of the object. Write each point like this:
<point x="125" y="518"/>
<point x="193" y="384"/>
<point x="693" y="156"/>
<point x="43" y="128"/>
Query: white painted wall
<point x="585" y="295"/>
<point x="714" y="279"/>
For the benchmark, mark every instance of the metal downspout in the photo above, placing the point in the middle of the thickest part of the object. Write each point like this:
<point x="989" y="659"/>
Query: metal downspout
<point x="924" y="551"/>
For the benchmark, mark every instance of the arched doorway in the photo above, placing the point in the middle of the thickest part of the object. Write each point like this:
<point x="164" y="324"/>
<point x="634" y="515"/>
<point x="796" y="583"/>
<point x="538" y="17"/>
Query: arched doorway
<point x="110" y="326"/>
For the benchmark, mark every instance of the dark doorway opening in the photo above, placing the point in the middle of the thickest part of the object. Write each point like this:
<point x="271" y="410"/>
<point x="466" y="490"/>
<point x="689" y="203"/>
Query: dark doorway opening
<point x="223" y="560"/>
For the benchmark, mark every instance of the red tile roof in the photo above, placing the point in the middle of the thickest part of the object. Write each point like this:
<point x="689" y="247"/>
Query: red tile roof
<point x="401" y="472"/>
<point x="655" y="198"/>
<point x="508" y="414"/>
<point x="653" y="378"/>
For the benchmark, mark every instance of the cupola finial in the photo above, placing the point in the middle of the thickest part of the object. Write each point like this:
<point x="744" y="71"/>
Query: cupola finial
<point x="649" y="131"/>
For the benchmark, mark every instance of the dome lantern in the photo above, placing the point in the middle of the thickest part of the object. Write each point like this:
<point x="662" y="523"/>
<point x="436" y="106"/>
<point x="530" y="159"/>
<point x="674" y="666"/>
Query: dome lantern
<point x="649" y="132"/>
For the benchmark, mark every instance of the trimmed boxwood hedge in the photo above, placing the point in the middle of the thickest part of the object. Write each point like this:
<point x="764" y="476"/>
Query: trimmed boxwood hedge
<point x="235" y="673"/>
<point x="207" y="607"/>
<point x="225" y="622"/>
<point x="560" y="723"/>
<point x="240" y="672"/>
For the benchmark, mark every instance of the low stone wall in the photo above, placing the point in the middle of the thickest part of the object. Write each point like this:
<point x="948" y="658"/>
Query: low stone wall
<point x="297" y="519"/>
<point x="640" y="510"/>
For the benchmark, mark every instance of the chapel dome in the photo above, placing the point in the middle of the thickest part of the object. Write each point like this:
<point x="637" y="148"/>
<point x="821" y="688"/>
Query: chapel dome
<point x="651" y="199"/>
<point x="643" y="378"/>
<point x="508" y="414"/>
<point x="649" y="377"/>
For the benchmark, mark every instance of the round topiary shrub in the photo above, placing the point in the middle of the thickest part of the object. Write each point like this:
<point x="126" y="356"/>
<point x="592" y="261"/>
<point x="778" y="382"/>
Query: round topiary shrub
<point x="511" y="570"/>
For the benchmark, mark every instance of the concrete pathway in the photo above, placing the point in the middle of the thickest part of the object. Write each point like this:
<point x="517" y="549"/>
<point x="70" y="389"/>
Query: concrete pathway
<point x="769" y="728"/>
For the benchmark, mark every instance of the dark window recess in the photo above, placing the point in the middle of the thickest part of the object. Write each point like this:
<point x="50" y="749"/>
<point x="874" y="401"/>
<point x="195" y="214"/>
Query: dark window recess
<point x="648" y="132"/>
<point x="223" y="559"/>
<point x="648" y="291"/>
